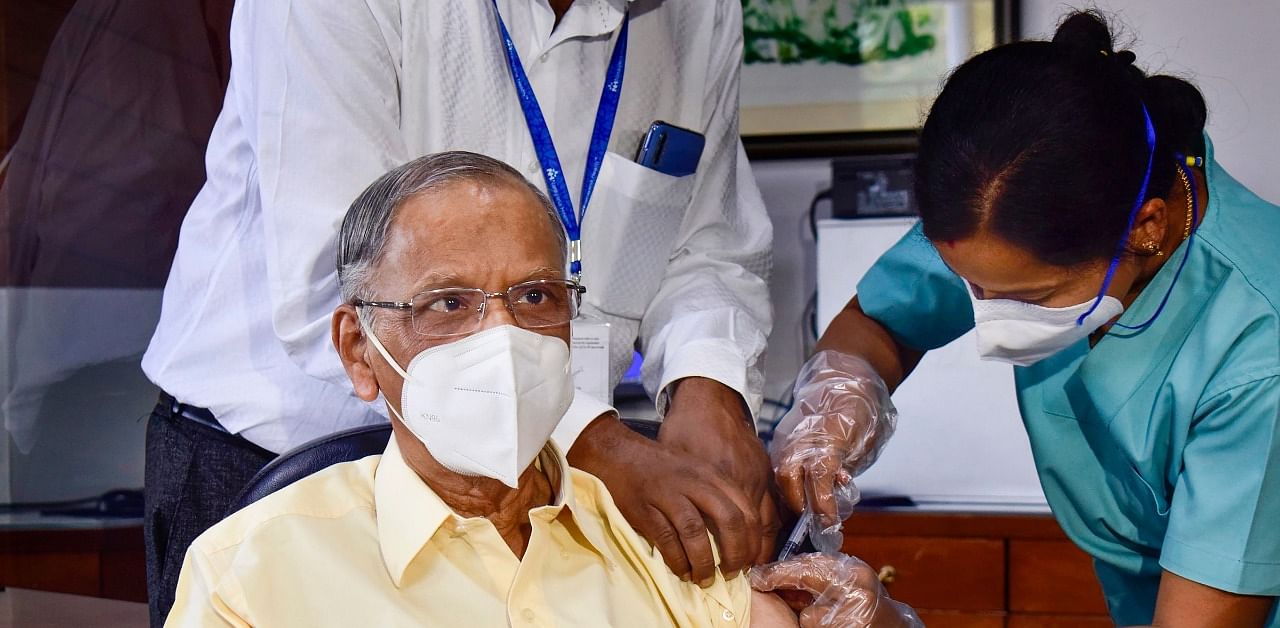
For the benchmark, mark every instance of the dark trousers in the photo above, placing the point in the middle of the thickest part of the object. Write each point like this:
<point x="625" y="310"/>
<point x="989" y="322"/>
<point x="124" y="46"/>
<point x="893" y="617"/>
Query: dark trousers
<point x="193" y="474"/>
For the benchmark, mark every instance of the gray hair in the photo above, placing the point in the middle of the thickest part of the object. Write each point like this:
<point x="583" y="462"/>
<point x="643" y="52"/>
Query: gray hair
<point x="364" y="230"/>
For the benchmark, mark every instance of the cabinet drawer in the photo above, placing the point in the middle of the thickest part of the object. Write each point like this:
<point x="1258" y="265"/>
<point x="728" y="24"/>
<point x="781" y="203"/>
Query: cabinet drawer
<point x="938" y="573"/>
<point x="1052" y="577"/>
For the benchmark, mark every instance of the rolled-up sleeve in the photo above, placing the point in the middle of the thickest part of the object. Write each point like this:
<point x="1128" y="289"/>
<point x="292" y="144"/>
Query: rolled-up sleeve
<point x="582" y="411"/>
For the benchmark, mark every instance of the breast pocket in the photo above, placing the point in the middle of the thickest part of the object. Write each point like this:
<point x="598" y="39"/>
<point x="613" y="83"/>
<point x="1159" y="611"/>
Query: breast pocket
<point x="1138" y="500"/>
<point x="1130" y="506"/>
<point x="629" y="234"/>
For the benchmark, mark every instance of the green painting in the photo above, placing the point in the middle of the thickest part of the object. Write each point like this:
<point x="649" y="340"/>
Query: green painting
<point x="814" y="67"/>
<point x="846" y="32"/>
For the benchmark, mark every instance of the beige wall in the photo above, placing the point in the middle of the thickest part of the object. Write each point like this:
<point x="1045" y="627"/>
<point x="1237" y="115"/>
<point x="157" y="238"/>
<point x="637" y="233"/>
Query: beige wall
<point x="1229" y="48"/>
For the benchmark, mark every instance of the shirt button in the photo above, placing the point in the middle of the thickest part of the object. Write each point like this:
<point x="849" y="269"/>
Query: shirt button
<point x="564" y="555"/>
<point x="544" y="56"/>
<point x="533" y="166"/>
<point x="527" y="614"/>
<point x="727" y="615"/>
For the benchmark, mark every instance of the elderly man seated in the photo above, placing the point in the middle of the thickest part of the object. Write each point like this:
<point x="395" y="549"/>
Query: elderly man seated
<point x="457" y="312"/>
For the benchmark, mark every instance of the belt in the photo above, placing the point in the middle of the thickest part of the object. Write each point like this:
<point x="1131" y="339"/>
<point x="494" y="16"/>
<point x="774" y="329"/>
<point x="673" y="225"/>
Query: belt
<point x="194" y="413"/>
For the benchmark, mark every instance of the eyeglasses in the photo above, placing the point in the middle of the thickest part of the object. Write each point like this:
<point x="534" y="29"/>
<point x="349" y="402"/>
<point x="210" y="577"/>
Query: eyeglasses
<point x="446" y="312"/>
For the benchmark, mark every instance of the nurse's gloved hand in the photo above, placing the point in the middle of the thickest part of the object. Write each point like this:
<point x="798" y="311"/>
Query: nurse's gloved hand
<point x="839" y="422"/>
<point x="846" y="592"/>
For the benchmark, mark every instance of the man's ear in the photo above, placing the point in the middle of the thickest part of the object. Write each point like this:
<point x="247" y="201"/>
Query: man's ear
<point x="349" y="339"/>
<point x="1150" y="225"/>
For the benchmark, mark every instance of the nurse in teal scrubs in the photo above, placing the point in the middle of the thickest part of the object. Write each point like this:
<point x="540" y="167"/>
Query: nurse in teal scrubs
<point x="1072" y="212"/>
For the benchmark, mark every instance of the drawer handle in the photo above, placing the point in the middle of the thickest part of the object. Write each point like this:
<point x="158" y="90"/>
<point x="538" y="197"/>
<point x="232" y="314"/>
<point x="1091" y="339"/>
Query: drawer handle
<point x="887" y="574"/>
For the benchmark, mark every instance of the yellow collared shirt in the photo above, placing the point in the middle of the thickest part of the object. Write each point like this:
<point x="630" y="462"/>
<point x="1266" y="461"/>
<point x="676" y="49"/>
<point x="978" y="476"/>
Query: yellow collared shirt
<point x="368" y="543"/>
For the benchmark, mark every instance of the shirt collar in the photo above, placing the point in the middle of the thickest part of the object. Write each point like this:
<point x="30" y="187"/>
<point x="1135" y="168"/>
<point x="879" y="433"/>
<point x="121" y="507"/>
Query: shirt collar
<point x="585" y="18"/>
<point x="1097" y="379"/>
<point x="409" y="513"/>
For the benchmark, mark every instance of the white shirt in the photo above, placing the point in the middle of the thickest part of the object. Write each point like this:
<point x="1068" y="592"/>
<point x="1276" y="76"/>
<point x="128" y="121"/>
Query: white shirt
<point x="326" y="96"/>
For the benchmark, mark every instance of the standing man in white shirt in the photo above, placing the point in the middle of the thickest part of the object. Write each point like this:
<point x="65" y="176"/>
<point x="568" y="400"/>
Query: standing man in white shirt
<point x="326" y="96"/>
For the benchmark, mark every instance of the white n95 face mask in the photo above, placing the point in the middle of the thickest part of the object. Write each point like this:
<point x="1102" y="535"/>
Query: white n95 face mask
<point x="485" y="405"/>
<point x="1022" y="333"/>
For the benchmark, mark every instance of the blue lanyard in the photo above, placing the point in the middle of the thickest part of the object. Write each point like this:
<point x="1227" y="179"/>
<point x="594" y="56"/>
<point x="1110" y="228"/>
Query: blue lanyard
<point x="1195" y="215"/>
<point x="1133" y="214"/>
<point x="546" y="149"/>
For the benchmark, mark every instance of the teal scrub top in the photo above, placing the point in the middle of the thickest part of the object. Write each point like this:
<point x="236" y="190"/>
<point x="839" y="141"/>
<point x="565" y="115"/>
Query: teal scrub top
<point x="1157" y="449"/>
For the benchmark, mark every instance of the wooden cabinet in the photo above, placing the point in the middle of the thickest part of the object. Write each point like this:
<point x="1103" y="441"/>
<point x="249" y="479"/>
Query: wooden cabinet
<point x="937" y="572"/>
<point x="1047" y="576"/>
<point x="94" y="561"/>
<point x="957" y="570"/>
<point x="961" y="570"/>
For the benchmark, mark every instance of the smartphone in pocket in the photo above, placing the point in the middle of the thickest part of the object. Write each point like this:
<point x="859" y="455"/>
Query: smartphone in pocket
<point x="670" y="149"/>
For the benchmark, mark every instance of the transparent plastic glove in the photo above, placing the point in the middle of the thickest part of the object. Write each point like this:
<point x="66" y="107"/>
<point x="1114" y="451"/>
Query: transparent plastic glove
<point x="846" y="592"/>
<point x="839" y="423"/>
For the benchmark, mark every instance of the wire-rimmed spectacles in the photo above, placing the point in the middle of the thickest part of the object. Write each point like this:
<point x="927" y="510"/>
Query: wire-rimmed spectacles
<point x="446" y="312"/>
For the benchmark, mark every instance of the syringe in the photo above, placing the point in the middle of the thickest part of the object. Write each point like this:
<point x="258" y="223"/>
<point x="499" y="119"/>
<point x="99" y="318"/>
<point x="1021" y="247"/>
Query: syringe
<point x="797" y="537"/>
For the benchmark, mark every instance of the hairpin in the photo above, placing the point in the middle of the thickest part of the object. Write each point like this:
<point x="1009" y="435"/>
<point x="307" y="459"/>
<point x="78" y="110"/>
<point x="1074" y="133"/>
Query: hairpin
<point x="1190" y="161"/>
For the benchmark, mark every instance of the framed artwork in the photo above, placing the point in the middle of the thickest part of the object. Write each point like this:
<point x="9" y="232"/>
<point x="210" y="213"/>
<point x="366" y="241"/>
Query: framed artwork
<point x="833" y="77"/>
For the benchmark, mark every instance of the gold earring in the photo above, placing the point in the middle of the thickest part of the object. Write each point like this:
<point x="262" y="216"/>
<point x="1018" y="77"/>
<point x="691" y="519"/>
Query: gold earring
<point x="1152" y="248"/>
<point x="1186" y="185"/>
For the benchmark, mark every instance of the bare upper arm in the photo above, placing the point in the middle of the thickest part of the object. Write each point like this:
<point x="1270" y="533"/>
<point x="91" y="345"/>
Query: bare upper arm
<point x="769" y="611"/>
<point x="855" y="333"/>
<point x="1182" y="602"/>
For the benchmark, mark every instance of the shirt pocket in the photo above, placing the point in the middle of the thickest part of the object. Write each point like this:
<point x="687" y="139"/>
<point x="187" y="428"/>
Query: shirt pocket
<point x="1144" y="510"/>
<point x="629" y="234"/>
<point x="1138" y="500"/>
<point x="1154" y="503"/>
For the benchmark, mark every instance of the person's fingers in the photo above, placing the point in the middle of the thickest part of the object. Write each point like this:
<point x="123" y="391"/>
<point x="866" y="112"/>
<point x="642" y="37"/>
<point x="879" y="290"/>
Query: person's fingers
<point x="692" y="532"/>
<point x="820" y="489"/>
<point x="730" y="528"/>
<point x="865" y="577"/>
<point x="790" y="479"/>
<point x="788" y="574"/>
<point x="816" y="573"/>
<point x="735" y="521"/>
<point x="854" y="607"/>
<point x="765" y="577"/>
<point x="814" y="616"/>
<point x="659" y="530"/>
<point x="823" y="616"/>
<point x="770" y="525"/>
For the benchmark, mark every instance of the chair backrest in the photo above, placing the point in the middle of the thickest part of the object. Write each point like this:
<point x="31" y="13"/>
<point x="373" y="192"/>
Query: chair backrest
<point x="307" y="458"/>
<point x="345" y="446"/>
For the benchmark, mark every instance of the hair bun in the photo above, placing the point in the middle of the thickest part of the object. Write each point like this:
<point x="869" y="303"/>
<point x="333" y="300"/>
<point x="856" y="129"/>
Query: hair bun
<point x="1085" y="33"/>
<point x="1178" y="110"/>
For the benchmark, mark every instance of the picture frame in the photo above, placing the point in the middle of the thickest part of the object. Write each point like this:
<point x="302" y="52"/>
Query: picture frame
<point x="825" y="78"/>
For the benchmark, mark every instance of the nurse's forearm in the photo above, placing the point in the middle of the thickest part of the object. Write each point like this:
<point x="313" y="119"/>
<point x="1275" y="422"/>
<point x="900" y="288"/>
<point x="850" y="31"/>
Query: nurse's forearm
<point x="855" y="333"/>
